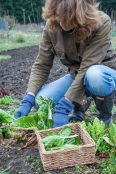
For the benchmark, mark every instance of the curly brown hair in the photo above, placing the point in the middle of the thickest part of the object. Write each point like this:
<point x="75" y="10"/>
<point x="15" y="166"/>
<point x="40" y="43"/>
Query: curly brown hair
<point x="82" y="15"/>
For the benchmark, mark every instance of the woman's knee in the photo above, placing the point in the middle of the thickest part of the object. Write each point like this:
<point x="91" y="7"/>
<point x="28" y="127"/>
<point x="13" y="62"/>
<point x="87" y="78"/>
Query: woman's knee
<point x="93" y="75"/>
<point x="98" y="80"/>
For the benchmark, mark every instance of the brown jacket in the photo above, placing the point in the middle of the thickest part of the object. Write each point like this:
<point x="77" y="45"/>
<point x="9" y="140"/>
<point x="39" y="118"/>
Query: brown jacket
<point x="78" y="58"/>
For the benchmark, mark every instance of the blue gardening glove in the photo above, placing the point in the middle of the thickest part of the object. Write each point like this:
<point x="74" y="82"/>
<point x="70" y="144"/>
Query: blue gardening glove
<point x="27" y="103"/>
<point x="61" y="112"/>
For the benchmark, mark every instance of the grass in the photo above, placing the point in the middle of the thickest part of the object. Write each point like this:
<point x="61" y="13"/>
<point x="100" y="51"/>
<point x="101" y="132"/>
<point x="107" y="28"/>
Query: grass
<point x="16" y="39"/>
<point x="4" y="57"/>
<point x="30" y="38"/>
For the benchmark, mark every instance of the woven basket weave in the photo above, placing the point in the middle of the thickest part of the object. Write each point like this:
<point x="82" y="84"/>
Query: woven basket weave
<point x="57" y="159"/>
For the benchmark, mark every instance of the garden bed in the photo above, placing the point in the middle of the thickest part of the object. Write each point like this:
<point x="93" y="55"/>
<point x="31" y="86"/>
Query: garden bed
<point x="14" y="75"/>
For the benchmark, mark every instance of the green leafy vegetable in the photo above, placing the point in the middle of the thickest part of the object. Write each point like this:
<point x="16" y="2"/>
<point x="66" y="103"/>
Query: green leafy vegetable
<point x="111" y="139"/>
<point x="6" y="100"/>
<point x="26" y="122"/>
<point x="61" y="140"/>
<point x="104" y="136"/>
<point x="65" y="131"/>
<point x="42" y="119"/>
<point x="5" y="117"/>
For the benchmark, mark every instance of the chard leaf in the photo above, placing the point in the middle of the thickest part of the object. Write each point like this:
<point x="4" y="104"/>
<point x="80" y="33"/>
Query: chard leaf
<point x="73" y="140"/>
<point x="49" y="113"/>
<point x="49" y="123"/>
<point x="61" y="147"/>
<point x="65" y="131"/>
<point x="109" y="141"/>
<point x="68" y="146"/>
<point x="43" y="108"/>
<point x="50" y="133"/>
<point x="5" y="117"/>
<point x="26" y="122"/>
<point x="98" y="144"/>
<point x="53" y="141"/>
<point x="112" y="131"/>
<point x="42" y="115"/>
<point x="49" y="138"/>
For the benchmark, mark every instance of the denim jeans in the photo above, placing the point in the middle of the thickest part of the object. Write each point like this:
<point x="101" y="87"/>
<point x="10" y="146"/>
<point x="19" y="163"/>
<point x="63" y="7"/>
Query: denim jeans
<point x="99" y="80"/>
<point x="56" y="90"/>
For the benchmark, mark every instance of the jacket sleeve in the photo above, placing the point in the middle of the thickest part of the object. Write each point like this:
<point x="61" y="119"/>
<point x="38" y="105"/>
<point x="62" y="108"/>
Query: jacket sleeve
<point x="93" y="55"/>
<point x="41" y="68"/>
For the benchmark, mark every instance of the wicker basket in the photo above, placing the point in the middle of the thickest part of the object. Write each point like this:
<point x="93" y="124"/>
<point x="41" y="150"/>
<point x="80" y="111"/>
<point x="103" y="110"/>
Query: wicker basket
<point x="57" y="159"/>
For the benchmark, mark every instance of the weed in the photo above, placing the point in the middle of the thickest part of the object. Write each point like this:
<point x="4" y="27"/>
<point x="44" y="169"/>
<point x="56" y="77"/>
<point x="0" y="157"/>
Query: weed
<point x="6" y="100"/>
<point x="108" y="168"/>
<point x="78" y="168"/>
<point x="38" y="170"/>
<point x="6" y="171"/>
<point x="92" y="108"/>
<point x="38" y="160"/>
<point x="20" y="39"/>
<point x="66" y="172"/>
<point x="26" y="164"/>
<point x="28" y="158"/>
<point x="34" y="163"/>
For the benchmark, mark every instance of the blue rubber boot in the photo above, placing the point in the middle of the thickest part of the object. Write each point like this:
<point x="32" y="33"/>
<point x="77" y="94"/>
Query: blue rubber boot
<point x="105" y="105"/>
<point x="78" y="112"/>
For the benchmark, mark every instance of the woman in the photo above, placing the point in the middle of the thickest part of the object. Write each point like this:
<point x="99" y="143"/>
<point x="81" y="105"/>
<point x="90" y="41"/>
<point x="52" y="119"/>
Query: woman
<point x="80" y="36"/>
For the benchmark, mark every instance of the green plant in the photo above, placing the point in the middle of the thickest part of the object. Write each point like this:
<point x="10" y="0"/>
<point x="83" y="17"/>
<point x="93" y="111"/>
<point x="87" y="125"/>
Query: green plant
<point x="28" y="158"/>
<point x="42" y="119"/>
<point x="95" y="129"/>
<point x="92" y="108"/>
<point x="6" y="100"/>
<point x="38" y="170"/>
<point x="33" y="162"/>
<point x="66" y="172"/>
<point x="111" y="138"/>
<point x="110" y="165"/>
<point x="104" y="136"/>
<point x="38" y="160"/>
<point x="27" y="164"/>
<point x="78" y="168"/>
<point x="5" y="117"/>
<point x="20" y="39"/>
<point x="6" y="171"/>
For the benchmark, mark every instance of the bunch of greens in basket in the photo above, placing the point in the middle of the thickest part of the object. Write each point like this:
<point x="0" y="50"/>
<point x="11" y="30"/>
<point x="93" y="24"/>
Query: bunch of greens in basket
<point x="61" y="140"/>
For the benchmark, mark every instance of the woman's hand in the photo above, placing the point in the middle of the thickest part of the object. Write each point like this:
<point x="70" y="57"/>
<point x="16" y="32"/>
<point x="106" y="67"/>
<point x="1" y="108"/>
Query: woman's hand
<point x="61" y="112"/>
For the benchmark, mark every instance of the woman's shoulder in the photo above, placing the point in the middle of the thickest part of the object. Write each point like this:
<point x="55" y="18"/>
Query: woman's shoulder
<point x="104" y="17"/>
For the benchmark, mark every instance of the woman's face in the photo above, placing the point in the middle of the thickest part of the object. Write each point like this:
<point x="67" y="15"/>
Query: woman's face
<point x="62" y="23"/>
<point x="64" y="27"/>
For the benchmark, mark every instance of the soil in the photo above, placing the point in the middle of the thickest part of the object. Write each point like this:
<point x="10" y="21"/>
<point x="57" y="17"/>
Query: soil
<point x="14" y="72"/>
<point x="14" y="76"/>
